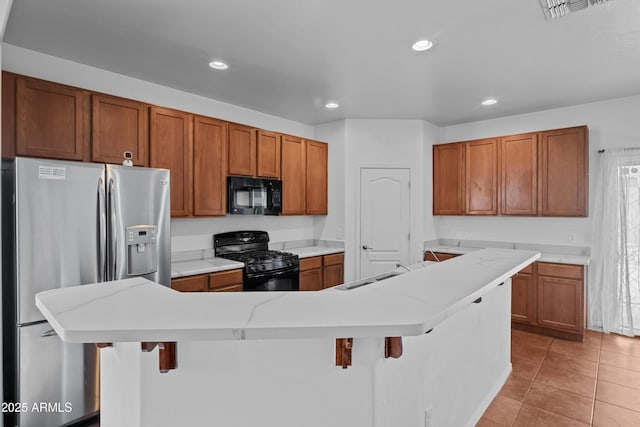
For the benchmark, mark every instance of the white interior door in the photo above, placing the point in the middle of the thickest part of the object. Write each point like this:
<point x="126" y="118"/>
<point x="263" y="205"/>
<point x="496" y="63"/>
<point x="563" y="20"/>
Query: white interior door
<point x="385" y="230"/>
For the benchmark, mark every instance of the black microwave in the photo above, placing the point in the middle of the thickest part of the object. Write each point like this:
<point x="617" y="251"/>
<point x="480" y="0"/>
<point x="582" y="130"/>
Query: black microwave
<point x="254" y="196"/>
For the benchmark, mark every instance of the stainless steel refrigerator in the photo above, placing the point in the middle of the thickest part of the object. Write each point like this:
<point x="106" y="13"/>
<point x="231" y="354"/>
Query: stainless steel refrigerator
<point x="68" y="224"/>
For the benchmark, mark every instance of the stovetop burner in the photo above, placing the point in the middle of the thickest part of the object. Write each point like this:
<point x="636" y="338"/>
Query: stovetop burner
<point x="252" y="249"/>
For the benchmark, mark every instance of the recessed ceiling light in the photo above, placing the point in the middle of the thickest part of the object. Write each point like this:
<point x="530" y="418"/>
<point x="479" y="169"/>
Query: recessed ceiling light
<point x="218" y="65"/>
<point x="422" y="45"/>
<point x="489" y="101"/>
<point x="331" y="105"/>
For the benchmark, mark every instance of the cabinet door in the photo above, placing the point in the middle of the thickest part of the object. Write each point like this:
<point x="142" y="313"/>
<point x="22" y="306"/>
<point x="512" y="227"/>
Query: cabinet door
<point x="316" y="177"/>
<point x="523" y="298"/>
<point x="311" y="280"/>
<point x="118" y="125"/>
<point x="293" y="175"/>
<point x="242" y="150"/>
<point x="518" y="159"/>
<point x="560" y="303"/>
<point x="171" y="147"/>
<point x="448" y="179"/>
<point x="268" y="154"/>
<point x="51" y="120"/>
<point x="481" y="177"/>
<point x="332" y="275"/>
<point x="191" y="283"/>
<point x="209" y="166"/>
<point x="564" y="172"/>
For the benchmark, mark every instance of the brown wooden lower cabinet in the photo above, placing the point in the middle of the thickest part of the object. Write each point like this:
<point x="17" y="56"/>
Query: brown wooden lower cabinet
<point x="523" y="296"/>
<point x="438" y="256"/>
<point x="549" y="299"/>
<point x="199" y="283"/>
<point x="311" y="274"/>
<point x="333" y="270"/>
<point x="321" y="272"/>
<point x="225" y="281"/>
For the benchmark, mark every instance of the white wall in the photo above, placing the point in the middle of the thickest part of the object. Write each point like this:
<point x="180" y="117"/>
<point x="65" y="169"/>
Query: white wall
<point x="186" y="234"/>
<point x="612" y="123"/>
<point x="431" y="136"/>
<point x="381" y="143"/>
<point x="331" y="226"/>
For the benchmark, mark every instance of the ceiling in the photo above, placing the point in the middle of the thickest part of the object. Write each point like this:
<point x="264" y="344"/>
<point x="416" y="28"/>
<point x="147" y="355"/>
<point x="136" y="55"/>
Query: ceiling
<point x="289" y="57"/>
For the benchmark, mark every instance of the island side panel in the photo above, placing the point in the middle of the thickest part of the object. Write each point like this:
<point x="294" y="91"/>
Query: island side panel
<point x="451" y="374"/>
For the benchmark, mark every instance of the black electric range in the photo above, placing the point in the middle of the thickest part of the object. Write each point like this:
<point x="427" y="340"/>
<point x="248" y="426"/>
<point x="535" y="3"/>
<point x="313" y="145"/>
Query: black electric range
<point x="264" y="269"/>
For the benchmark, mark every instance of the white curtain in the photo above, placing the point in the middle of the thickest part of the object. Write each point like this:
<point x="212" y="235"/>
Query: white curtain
<point x="614" y="272"/>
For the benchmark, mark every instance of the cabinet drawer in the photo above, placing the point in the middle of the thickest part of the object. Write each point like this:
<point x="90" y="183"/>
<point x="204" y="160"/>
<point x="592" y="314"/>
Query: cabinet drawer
<point x="230" y="288"/>
<point x="225" y="278"/>
<point x="560" y="270"/>
<point x="190" y="283"/>
<point x="333" y="259"/>
<point x="309" y="263"/>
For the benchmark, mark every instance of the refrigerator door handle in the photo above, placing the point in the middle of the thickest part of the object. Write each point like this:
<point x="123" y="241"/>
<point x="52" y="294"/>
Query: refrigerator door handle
<point x="49" y="333"/>
<point x="102" y="232"/>
<point x="112" y="269"/>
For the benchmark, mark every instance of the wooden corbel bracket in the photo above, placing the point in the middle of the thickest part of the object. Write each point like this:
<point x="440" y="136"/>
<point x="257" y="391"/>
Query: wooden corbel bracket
<point x="167" y="354"/>
<point x="392" y="347"/>
<point x="343" y="352"/>
<point x="104" y="344"/>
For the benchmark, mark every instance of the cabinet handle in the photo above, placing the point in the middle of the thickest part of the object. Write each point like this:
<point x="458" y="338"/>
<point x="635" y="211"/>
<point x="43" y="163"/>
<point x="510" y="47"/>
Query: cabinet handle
<point x="365" y="247"/>
<point x="478" y="301"/>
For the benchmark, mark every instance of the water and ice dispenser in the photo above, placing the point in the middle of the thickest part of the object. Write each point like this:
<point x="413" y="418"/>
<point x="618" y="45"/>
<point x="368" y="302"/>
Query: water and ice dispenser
<point x="142" y="255"/>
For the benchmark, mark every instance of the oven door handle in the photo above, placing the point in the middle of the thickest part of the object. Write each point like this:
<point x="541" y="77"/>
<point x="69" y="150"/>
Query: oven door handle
<point x="272" y="274"/>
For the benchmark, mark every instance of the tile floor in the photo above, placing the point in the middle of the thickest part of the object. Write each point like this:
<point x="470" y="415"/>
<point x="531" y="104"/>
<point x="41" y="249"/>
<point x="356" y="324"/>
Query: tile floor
<point x="562" y="383"/>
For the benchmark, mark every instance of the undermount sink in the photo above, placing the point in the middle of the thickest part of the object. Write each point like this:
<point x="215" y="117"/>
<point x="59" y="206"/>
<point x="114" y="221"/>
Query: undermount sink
<point x="368" y="281"/>
<point x="387" y="275"/>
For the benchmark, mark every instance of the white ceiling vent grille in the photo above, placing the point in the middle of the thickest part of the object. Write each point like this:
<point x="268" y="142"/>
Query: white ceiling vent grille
<point x="553" y="9"/>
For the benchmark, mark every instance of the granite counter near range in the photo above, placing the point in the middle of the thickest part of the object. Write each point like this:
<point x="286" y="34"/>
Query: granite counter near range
<point x="189" y="263"/>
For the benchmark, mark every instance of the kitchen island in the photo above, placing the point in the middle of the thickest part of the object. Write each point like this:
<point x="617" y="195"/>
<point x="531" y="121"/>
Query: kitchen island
<point x="269" y="358"/>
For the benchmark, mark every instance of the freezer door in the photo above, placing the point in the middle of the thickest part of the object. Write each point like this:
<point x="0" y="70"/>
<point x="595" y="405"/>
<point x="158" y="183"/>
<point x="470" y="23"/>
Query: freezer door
<point x="58" y="232"/>
<point x="63" y="377"/>
<point x="138" y="202"/>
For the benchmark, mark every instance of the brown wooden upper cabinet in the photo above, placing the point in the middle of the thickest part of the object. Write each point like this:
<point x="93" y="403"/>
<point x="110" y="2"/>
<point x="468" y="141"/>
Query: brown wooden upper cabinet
<point x="253" y="152"/>
<point x="481" y="177"/>
<point x="293" y="175"/>
<point x="242" y="150"/>
<point x="448" y="179"/>
<point x="316" y="177"/>
<point x="268" y="154"/>
<point x="52" y="120"/>
<point x="518" y="158"/>
<point x="564" y="168"/>
<point x="209" y="166"/>
<point x="171" y="147"/>
<point x="536" y="174"/>
<point x="118" y="125"/>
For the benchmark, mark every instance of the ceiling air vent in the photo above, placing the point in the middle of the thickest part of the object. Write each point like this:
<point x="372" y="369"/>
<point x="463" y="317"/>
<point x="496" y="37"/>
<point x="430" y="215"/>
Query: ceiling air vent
<point x="553" y="9"/>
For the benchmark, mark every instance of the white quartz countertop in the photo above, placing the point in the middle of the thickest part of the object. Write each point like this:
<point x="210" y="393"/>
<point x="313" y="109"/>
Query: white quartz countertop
<point x="544" y="256"/>
<point x="202" y="266"/>
<point x="311" y="251"/>
<point x="408" y="304"/>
